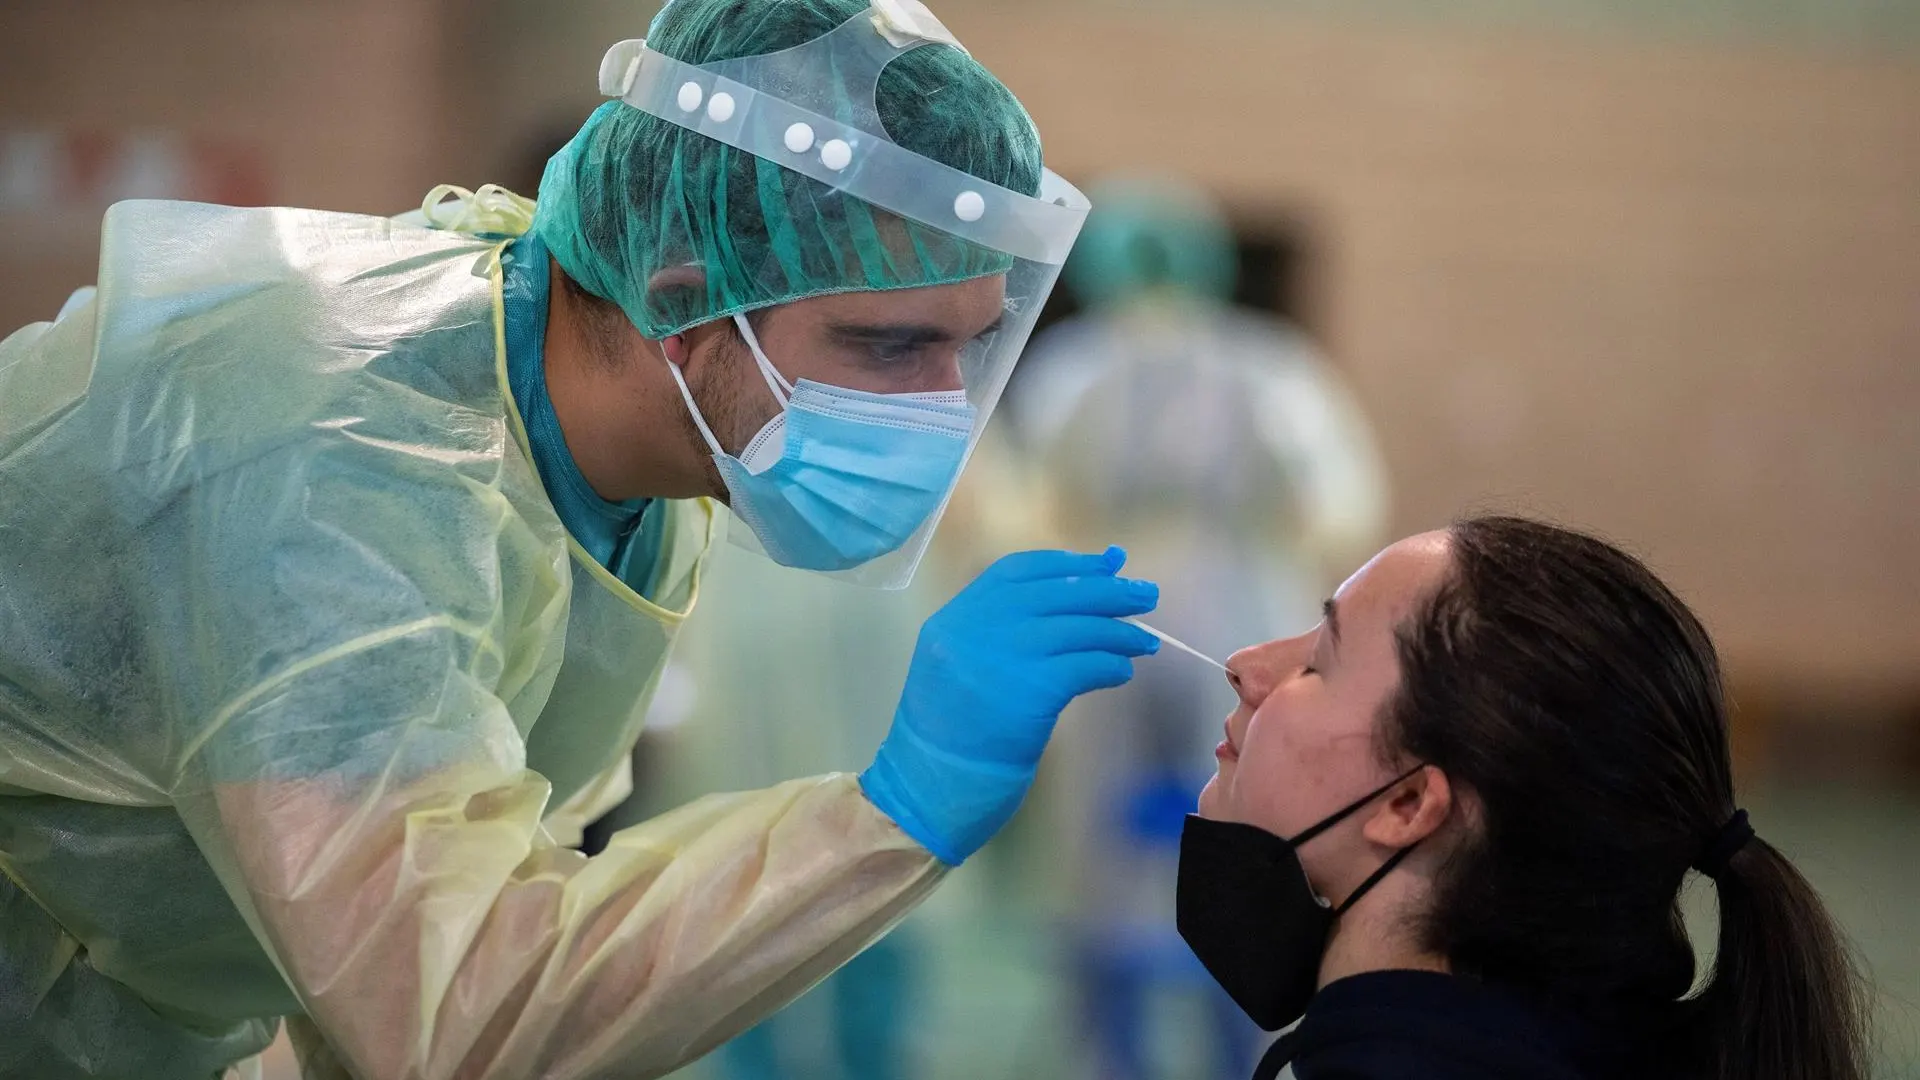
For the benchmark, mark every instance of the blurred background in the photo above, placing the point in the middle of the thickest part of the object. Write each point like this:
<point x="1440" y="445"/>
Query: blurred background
<point x="1649" y="267"/>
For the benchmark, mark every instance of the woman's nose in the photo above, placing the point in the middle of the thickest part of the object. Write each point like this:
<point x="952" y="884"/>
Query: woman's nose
<point x="1253" y="670"/>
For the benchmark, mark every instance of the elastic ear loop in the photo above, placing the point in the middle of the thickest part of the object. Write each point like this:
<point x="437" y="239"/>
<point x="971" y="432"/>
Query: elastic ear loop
<point x="1367" y="885"/>
<point x="776" y="382"/>
<point x="692" y="409"/>
<point x="782" y="390"/>
<point x="1385" y="868"/>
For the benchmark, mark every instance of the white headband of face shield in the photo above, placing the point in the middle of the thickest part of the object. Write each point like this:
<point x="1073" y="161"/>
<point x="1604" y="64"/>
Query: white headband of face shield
<point x="734" y="102"/>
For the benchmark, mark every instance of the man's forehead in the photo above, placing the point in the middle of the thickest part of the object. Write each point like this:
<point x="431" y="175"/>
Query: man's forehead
<point x="961" y="300"/>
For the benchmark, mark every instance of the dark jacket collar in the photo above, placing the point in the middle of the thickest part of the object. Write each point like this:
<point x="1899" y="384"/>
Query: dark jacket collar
<point x="1388" y="1025"/>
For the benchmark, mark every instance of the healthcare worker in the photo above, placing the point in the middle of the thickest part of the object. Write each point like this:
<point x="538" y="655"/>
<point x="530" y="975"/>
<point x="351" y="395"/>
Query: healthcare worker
<point x="340" y="557"/>
<point x="1233" y="463"/>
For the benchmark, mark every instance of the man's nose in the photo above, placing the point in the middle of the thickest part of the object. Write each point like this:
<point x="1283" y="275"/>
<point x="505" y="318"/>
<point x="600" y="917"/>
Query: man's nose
<point x="950" y="376"/>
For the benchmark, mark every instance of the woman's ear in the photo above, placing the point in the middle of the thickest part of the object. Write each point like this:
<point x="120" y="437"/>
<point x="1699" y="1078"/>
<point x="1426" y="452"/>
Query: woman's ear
<point x="1415" y="809"/>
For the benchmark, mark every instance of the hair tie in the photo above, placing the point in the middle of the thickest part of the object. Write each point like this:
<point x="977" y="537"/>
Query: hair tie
<point x="1726" y="843"/>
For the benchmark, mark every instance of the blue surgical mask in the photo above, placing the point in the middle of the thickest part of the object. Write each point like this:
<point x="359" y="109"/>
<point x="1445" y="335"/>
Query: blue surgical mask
<point x="839" y="477"/>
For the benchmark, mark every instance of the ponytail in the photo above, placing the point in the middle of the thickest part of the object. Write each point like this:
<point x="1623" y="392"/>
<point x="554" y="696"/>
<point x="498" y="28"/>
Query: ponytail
<point x="1784" y="1001"/>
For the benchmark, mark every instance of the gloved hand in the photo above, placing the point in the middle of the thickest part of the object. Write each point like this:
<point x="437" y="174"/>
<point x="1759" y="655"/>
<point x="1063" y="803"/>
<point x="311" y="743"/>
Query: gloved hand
<point x="990" y="675"/>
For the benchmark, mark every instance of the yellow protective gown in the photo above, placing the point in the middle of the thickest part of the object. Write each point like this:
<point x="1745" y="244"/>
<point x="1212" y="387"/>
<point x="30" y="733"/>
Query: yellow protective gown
<point x="295" y="661"/>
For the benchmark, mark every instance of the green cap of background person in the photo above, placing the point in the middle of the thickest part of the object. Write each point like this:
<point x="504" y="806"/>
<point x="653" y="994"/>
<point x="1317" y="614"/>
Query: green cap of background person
<point x="1151" y="235"/>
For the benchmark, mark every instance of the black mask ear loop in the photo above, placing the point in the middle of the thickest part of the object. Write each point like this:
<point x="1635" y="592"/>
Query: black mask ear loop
<point x="1342" y="815"/>
<point x="1385" y="868"/>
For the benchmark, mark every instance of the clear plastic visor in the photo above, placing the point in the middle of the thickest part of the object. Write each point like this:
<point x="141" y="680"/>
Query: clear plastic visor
<point x="776" y="108"/>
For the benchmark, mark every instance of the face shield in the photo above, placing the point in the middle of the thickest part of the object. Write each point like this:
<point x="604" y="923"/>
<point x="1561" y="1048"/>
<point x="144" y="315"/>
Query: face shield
<point x="812" y="110"/>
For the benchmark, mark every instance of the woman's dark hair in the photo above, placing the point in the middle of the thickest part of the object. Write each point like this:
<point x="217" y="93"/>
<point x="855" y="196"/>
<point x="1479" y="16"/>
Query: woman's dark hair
<point x="1579" y="704"/>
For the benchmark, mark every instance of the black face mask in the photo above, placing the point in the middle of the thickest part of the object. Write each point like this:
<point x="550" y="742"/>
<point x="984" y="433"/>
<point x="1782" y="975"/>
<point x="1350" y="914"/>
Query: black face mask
<point x="1245" y="908"/>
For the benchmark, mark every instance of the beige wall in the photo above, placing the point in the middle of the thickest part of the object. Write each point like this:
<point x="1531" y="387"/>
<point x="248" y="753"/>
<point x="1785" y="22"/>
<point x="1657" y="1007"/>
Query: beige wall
<point x="340" y="101"/>
<point x="1671" y="291"/>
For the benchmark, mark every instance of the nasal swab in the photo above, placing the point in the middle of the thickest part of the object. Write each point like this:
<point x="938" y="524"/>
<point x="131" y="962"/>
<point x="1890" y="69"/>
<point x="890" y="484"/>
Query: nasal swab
<point x="1177" y="643"/>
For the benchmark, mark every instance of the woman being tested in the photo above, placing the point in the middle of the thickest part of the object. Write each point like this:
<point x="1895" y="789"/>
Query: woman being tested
<point x="1497" y="759"/>
<point x="340" y="556"/>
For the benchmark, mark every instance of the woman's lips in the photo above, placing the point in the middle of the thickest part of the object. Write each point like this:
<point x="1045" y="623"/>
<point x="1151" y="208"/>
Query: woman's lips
<point x="1226" y="751"/>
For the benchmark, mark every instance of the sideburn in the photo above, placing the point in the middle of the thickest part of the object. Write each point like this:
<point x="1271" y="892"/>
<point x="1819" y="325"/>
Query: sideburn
<point x="733" y="396"/>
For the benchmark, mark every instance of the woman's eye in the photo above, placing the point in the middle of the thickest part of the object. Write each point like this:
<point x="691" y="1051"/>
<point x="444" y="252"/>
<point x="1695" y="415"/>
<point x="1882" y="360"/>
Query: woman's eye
<point x="1309" y="670"/>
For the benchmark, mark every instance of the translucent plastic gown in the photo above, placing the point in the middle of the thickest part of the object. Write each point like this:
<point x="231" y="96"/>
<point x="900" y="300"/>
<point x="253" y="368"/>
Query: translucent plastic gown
<point x="301" y="681"/>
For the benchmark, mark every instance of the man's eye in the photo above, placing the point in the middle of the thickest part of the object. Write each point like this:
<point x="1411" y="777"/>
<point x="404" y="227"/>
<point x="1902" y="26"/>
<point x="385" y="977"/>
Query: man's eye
<point x="891" y="354"/>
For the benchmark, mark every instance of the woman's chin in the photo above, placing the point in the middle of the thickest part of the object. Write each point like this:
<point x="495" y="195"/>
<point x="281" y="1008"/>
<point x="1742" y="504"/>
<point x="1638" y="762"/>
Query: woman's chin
<point x="1210" y="797"/>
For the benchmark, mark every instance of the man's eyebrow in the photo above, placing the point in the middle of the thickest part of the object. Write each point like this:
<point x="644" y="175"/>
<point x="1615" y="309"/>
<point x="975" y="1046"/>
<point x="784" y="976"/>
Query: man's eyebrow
<point x="889" y="334"/>
<point x="901" y="334"/>
<point x="1332" y="612"/>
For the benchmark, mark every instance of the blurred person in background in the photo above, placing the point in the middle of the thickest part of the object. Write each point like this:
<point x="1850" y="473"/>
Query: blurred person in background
<point x="343" y="555"/>
<point x="1231" y="459"/>
<point x="1451" y="825"/>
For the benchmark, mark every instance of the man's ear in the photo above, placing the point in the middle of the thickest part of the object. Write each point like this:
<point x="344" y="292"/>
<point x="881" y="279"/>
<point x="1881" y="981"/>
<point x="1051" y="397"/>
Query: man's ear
<point x="685" y="278"/>
<point x="1415" y="809"/>
<point x="676" y="350"/>
<point x="696" y="344"/>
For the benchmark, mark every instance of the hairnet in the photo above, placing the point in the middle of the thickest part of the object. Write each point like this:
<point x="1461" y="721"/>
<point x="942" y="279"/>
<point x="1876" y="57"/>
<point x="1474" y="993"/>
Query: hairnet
<point x="632" y="195"/>
<point x="1147" y="234"/>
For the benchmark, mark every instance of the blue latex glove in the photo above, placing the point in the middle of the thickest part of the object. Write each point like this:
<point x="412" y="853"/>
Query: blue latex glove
<point x="990" y="674"/>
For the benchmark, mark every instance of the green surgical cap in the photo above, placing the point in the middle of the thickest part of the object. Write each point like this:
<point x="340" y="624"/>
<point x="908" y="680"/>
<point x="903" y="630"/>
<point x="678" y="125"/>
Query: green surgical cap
<point x="633" y="195"/>
<point x="1151" y="235"/>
